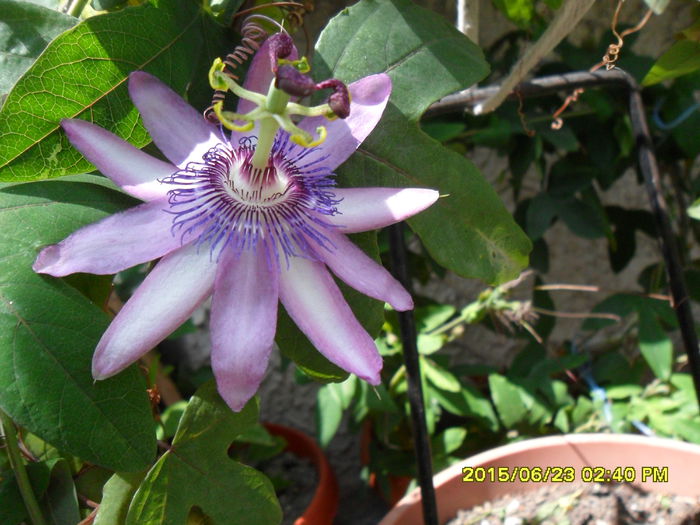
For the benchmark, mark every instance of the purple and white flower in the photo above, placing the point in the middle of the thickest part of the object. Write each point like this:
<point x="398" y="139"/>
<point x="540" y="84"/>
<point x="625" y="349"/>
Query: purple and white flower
<point x="247" y="236"/>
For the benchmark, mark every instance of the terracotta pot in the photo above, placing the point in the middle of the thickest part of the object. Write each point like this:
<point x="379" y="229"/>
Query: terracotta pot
<point x="577" y="451"/>
<point x="324" y="505"/>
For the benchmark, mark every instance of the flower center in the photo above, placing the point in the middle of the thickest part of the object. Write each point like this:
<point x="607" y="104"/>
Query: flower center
<point x="227" y="203"/>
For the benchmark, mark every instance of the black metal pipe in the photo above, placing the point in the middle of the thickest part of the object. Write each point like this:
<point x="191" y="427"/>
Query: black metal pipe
<point x="667" y="239"/>
<point x="416" y="401"/>
<point x="537" y="87"/>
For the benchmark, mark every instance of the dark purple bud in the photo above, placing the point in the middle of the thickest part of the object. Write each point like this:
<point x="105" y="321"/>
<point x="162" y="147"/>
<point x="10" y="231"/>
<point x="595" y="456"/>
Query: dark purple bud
<point x="293" y="82"/>
<point x="281" y="46"/>
<point x="339" y="101"/>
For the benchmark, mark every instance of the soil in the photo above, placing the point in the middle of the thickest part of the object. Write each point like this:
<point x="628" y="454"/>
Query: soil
<point x="589" y="504"/>
<point x="295" y="481"/>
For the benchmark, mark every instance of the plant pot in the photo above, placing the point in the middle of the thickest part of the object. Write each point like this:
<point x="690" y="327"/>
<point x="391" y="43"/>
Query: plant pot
<point x="576" y="451"/>
<point x="324" y="505"/>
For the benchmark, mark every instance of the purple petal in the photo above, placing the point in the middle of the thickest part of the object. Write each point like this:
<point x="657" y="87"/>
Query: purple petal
<point x="368" y="98"/>
<point x="259" y="75"/>
<point x="178" y="129"/>
<point x="314" y="302"/>
<point x="243" y="323"/>
<point x="113" y="244"/>
<point x="354" y="267"/>
<point x="132" y="169"/>
<point x="178" y="284"/>
<point x="363" y="209"/>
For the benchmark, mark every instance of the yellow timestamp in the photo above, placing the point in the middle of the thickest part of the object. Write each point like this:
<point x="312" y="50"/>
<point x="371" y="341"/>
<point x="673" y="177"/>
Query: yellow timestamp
<point x="586" y="474"/>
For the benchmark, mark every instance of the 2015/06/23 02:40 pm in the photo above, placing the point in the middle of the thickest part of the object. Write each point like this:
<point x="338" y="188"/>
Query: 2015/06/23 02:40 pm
<point x="587" y="474"/>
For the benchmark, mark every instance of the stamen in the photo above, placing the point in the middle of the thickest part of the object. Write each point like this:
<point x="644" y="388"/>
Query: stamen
<point x="226" y="203"/>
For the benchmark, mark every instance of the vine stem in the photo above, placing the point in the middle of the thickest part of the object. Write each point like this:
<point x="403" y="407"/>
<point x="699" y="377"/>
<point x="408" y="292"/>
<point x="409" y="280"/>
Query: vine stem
<point x="15" y="458"/>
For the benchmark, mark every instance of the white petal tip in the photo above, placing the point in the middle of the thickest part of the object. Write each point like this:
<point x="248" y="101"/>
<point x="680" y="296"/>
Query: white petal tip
<point x="374" y="379"/>
<point x="47" y="261"/>
<point x="402" y="303"/>
<point x="237" y="397"/>
<point x="410" y="201"/>
<point x="98" y="374"/>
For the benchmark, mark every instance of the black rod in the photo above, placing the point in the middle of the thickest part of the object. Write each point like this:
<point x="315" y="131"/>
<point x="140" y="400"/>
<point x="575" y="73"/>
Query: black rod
<point x="416" y="401"/>
<point x="667" y="239"/>
<point x="537" y="87"/>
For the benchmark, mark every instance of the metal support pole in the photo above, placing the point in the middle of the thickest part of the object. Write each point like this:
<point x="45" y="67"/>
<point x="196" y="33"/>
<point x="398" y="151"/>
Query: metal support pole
<point x="415" y="391"/>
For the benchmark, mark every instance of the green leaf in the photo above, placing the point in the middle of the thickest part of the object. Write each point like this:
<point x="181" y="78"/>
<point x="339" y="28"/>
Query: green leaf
<point x="508" y="400"/>
<point x="331" y="401"/>
<point x="170" y="419"/>
<point x="83" y="73"/>
<point x="425" y="56"/>
<point x="541" y="211"/>
<point x="48" y="331"/>
<point x="12" y="509"/>
<point x="448" y="441"/>
<point x="60" y="504"/>
<point x="694" y="210"/>
<point x="116" y="497"/>
<point x="430" y="317"/>
<point x="25" y="32"/>
<point x="468" y="402"/>
<point x="687" y="429"/>
<point x="197" y="471"/>
<point x="655" y="345"/>
<point x="429" y="344"/>
<point x="682" y="58"/>
<point x="520" y="12"/>
<point x="469" y="231"/>
<point x="561" y="421"/>
<point x="623" y="391"/>
<point x="438" y="376"/>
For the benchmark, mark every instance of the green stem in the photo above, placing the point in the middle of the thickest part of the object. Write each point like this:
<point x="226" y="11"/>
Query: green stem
<point x="276" y="102"/>
<point x="15" y="458"/>
<point x="266" y="139"/>
<point x="75" y="7"/>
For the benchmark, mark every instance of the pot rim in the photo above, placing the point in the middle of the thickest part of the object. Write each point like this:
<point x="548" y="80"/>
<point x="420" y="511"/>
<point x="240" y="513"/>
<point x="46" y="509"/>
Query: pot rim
<point x="579" y="449"/>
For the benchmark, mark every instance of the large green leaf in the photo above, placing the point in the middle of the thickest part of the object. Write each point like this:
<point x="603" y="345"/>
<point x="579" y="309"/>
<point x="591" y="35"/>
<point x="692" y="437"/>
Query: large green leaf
<point x="197" y="471"/>
<point x="25" y="31"/>
<point x="83" y="74"/>
<point x="116" y="497"/>
<point x="682" y="58"/>
<point x="48" y="331"/>
<point x="425" y="56"/>
<point x="468" y="230"/>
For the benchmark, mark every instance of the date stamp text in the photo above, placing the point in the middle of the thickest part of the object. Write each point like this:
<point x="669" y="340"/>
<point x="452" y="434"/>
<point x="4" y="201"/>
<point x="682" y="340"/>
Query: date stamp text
<point x="587" y="474"/>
